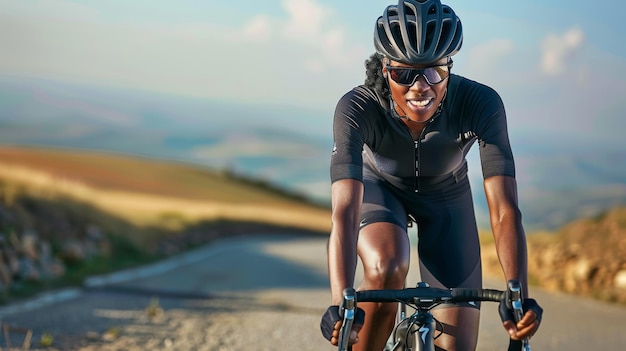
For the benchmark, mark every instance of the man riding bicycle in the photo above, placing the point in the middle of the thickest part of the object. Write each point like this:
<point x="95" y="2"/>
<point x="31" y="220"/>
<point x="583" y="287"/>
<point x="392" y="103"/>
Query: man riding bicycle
<point x="399" y="155"/>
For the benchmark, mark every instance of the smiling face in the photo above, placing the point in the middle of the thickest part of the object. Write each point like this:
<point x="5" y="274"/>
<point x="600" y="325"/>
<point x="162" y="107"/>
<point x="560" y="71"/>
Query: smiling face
<point x="419" y="101"/>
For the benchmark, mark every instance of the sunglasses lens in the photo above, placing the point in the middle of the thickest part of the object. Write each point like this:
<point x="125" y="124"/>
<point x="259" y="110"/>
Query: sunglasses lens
<point x="435" y="75"/>
<point x="408" y="76"/>
<point x="403" y="76"/>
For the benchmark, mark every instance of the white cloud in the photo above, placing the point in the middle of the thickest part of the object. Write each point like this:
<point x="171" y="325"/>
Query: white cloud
<point x="558" y="51"/>
<point x="258" y="29"/>
<point x="483" y="61"/>
<point x="291" y="57"/>
<point x="309" y="30"/>
<point x="306" y="19"/>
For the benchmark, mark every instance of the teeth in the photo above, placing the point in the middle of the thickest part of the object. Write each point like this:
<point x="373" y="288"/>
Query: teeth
<point x="419" y="103"/>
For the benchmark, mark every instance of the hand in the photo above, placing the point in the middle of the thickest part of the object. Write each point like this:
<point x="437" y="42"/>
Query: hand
<point x="332" y="321"/>
<point x="354" y="334"/>
<point x="525" y="328"/>
<point x="528" y="325"/>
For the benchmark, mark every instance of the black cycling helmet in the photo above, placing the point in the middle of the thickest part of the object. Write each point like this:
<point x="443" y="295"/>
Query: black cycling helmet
<point x="418" y="32"/>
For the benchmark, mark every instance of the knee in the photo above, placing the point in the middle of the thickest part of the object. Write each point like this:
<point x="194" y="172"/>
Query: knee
<point x="385" y="273"/>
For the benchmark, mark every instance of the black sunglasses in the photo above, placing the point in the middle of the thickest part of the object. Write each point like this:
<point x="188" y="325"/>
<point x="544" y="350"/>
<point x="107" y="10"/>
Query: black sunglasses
<point x="407" y="76"/>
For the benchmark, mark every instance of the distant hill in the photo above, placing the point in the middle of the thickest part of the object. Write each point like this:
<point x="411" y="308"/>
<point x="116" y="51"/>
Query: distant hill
<point x="151" y="192"/>
<point x="560" y="178"/>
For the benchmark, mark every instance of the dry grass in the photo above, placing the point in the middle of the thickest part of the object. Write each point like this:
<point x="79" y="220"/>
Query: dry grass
<point x="137" y="175"/>
<point x="149" y="193"/>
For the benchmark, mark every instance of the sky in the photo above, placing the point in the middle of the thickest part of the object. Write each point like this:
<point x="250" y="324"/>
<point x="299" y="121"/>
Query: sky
<point x="558" y="65"/>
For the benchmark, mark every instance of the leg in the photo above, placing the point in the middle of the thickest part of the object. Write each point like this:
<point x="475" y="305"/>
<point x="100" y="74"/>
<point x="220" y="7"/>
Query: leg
<point x="449" y="254"/>
<point x="460" y="328"/>
<point x="458" y="324"/>
<point x="384" y="249"/>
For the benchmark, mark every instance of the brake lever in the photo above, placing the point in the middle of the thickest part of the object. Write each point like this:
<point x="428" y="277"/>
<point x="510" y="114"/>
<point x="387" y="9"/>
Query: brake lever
<point x="348" y="308"/>
<point x="515" y="299"/>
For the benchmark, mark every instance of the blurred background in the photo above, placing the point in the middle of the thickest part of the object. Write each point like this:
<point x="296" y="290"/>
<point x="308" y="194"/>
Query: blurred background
<point x="251" y="87"/>
<point x="133" y="130"/>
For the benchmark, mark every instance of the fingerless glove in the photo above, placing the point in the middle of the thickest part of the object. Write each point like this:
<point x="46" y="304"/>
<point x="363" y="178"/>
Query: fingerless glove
<point x="506" y="313"/>
<point x="332" y="315"/>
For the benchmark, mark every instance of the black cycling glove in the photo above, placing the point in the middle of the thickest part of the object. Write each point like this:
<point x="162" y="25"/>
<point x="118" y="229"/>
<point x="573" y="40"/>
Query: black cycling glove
<point x="333" y="315"/>
<point x="506" y="314"/>
<point x="506" y="311"/>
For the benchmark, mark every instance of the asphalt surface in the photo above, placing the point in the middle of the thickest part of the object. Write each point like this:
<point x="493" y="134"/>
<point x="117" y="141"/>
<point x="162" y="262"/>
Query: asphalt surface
<point x="251" y="293"/>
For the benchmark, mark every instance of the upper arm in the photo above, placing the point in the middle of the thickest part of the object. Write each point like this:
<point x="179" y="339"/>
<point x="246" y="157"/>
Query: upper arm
<point x="490" y="124"/>
<point x="352" y="128"/>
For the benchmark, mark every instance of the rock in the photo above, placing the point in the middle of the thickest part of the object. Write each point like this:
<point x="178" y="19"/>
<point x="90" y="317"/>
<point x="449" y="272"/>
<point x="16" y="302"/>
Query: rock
<point x="28" y="271"/>
<point x="52" y="269"/>
<point x="29" y="245"/>
<point x="620" y="280"/>
<point x="92" y="336"/>
<point x="73" y="251"/>
<point x="583" y="270"/>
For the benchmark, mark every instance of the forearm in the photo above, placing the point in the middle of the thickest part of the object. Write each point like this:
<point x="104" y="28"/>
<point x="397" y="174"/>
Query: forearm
<point x="510" y="242"/>
<point x="342" y="261"/>
<point x="506" y="223"/>
<point x="342" y="246"/>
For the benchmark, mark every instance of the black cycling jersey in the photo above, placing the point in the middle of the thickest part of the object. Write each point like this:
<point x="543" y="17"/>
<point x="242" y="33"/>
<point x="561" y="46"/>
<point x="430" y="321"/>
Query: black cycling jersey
<point x="425" y="178"/>
<point x="367" y="130"/>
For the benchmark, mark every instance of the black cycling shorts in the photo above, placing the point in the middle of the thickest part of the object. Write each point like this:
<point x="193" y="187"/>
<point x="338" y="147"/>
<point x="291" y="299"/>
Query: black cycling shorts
<point x="448" y="243"/>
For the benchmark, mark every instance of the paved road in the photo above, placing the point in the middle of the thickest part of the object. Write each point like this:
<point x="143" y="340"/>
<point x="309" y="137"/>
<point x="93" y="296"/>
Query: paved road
<point x="252" y="294"/>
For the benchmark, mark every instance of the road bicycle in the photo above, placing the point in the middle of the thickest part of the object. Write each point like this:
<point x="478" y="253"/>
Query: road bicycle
<point x="418" y="331"/>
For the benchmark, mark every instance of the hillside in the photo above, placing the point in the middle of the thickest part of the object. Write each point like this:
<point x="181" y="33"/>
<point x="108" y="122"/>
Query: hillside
<point x="585" y="257"/>
<point x="145" y="191"/>
<point x="68" y="214"/>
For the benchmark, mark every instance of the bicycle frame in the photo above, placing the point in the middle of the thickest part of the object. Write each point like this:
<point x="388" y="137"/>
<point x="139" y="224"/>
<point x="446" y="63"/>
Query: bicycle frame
<point x="417" y="332"/>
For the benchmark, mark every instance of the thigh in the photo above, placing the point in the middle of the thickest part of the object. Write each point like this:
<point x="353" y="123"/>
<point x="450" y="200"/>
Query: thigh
<point x="381" y="203"/>
<point x="448" y="244"/>
<point x="383" y="244"/>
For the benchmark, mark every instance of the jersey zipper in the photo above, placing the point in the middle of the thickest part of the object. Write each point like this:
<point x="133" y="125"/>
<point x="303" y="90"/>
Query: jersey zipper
<point x="416" y="155"/>
<point x="417" y="144"/>
<point x="416" y="152"/>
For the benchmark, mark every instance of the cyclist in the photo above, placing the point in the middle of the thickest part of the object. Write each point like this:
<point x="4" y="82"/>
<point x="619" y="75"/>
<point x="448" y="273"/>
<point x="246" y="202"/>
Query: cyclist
<point x="400" y="142"/>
